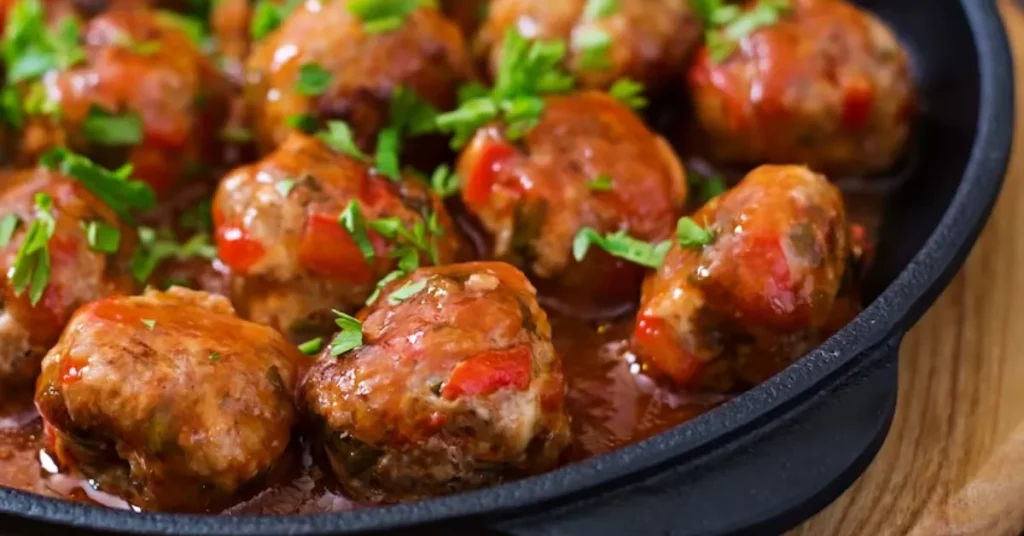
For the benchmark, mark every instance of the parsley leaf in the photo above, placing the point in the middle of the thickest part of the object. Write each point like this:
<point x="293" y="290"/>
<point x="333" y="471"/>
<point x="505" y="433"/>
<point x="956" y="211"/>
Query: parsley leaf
<point x="444" y="182"/>
<point x="305" y="122"/>
<point x="352" y="220"/>
<point x="629" y="92"/>
<point x="8" y="224"/>
<point x="601" y="183"/>
<point x="285" y="187"/>
<point x="338" y="136"/>
<point x="710" y="186"/>
<point x="155" y="248"/>
<point x="410" y="114"/>
<point x="691" y="235"/>
<point x="112" y="187"/>
<point x="350" y="337"/>
<point x="103" y="237"/>
<point x="313" y="80"/>
<point x="380" y="16"/>
<point x="599" y="9"/>
<point x="594" y="46"/>
<point x="312" y="346"/>
<point x="149" y="323"/>
<point x="31" y="266"/>
<point x="406" y="291"/>
<point x="621" y="245"/>
<point x="727" y="24"/>
<point x="267" y="15"/>
<point x="108" y="129"/>
<point x="30" y="48"/>
<point x="387" y="154"/>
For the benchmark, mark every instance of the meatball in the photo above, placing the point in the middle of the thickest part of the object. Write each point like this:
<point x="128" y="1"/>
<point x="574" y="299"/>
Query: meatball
<point x="278" y="230"/>
<point x="589" y="162"/>
<point x="456" y="386"/>
<point x="357" y="68"/>
<point x="142" y="93"/>
<point x="168" y="399"/>
<point x="468" y="14"/>
<point x="828" y="86"/>
<point x="78" y="272"/>
<point x="760" y="293"/>
<point x="646" y="40"/>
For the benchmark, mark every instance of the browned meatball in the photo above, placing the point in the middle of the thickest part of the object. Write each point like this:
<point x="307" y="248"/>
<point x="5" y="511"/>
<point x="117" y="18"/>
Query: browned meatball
<point x="168" y="399"/>
<point x="141" y="93"/>
<point x="468" y="14"/>
<point x="278" y="228"/>
<point x="358" y="69"/>
<point x="589" y="162"/>
<point x="456" y="386"/>
<point x="828" y="86"/>
<point x="78" y="273"/>
<point x="646" y="40"/>
<point x="762" y="290"/>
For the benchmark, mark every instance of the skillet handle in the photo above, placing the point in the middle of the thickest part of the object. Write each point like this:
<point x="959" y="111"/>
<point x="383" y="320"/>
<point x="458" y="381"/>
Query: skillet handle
<point x="763" y="483"/>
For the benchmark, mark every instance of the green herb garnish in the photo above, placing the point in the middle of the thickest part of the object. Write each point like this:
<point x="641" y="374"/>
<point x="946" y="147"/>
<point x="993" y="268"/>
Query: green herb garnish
<point x="621" y="245"/>
<point x="601" y="183"/>
<point x="406" y="291"/>
<point x="312" y="346"/>
<point x="352" y="220"/>
<point x="691" y="235"/>
<point x="313" y="80"/>
<point x="285" y="187"/>
<point x="629" y="92"/>
<point x="444" y="182"/>
<point x="109" y="129"/>
<point x="338" y="136"/>
<point x="103" y="237"/>
<point x="350" y="337"/>
<point x="114" y="188"/>
<point x="31" y="266"/>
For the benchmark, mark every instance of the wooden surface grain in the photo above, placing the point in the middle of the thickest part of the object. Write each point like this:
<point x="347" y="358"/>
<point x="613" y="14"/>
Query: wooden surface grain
<point x="953" y="463"/>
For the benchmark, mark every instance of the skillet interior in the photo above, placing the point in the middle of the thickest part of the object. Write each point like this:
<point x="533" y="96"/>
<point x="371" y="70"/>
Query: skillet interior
<point x="962" y="63"/>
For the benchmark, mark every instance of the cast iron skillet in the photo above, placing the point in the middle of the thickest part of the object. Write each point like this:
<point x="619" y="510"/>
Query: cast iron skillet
<point x="780" y="452"/>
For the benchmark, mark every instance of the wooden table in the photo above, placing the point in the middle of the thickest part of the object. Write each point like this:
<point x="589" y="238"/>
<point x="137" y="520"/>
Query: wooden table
<point x="953" y="463"/>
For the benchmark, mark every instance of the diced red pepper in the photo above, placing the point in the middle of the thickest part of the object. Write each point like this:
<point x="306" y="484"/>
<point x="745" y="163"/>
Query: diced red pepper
<point x="236" y="248"/>
<point x="656" y="341"/>
<point x="488" y="372"/>
<point x="858" y="98"/>
<point x="329" y="250"/>
<point x="487" y="158"/>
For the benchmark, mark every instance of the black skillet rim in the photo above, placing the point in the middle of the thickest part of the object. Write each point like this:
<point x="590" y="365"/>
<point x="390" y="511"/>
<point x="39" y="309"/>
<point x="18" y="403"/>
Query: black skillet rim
<point x="895" y="310"/>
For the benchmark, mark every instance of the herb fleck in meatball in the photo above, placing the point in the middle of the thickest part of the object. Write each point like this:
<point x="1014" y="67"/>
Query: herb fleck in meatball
<point x="168" y="399"/>
<point x="646" y="40"/>
<point x="280" y="228"/>
<point x="326" y="62"/>
<point x="456" y="386"/>
<point x="589" y="162"/>
<point x="762" y="290"/>
<point x="132" y="88"/>
<point x="828" y="86"/>
<point x="76" y="271"/>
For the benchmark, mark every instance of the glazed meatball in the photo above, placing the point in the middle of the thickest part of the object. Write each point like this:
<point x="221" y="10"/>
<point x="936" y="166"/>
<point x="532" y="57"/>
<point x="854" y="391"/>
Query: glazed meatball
<point x="359" y="69"/>
<point x="589" y="162"/>
<point x="646" y="40"/>
<point x="168" y="399"/>
<point x="78" y="272"/>
<point x="142" y="93"/>
<point x="828" y="86"/>
<point x="278" y="228"/>
<point x="766" y="282"/>
<point x="456" y="386"/>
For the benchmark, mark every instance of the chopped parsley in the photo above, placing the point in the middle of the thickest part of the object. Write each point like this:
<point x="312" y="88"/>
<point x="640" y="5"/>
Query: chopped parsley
<point x="157" y="247"/>
<point x="527" y="71"/>
<point x="30" y="47"/>
<point x="406" y="291"/>
<point x="708" y="186"/>
<point x="31" y="267"/>
<point x="350" y="337"/>
<point x="114" y="188"/>
<point x="381" y="16"/>
<point x="312" y="346"/>
<point x="352" y="220"/>
<point x="103" y="237"/>
<point x="313" y="80"/>
<point x="149" y="323"/>
<point x="691" y="235"/>
<point x="285" y="187"/>
<point x="444" y="182"/>
<point x="8" y="224"/>
<point x="305" y="122"/>
<point x="236" y="134"/>
<point x="214" y="356"/>
<point x="601" y="183"/>
<point x="727" y="24"/>
<point x="267" y="15"/>
<point x="599" y="9"/>
<point x="143" y="48"/>
<point x="108" y="129"/>
<point x="620" y="244"/>
<point x="410" y="114"/>
<point x="594" y="46"/>
<point x="198" y="217"/>
<point x="387" y="154"/>
<point x="338" y="136"/>
<point x="629" y="92"/>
